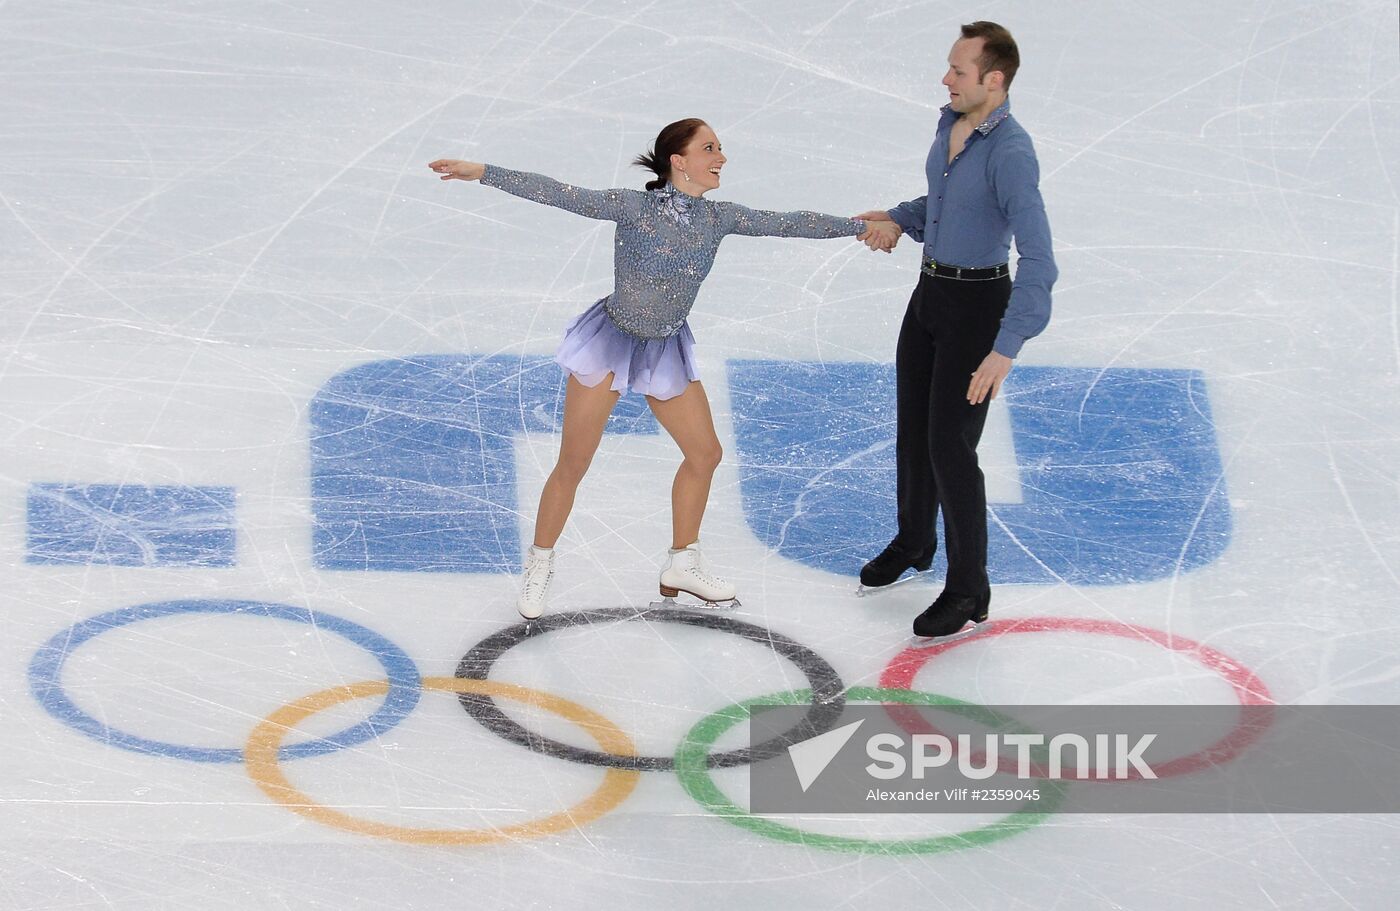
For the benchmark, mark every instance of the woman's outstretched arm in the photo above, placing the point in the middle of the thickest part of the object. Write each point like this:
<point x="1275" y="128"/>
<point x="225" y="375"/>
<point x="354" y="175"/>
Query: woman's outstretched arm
<point x="737" y="219"/>
<point x="605" y="205"/>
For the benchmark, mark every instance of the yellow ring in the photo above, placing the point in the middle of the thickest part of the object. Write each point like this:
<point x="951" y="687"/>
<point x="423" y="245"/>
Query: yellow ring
<point x="266" y="739"/>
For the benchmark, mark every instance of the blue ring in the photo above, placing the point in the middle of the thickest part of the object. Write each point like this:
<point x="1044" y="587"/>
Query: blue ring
<point x="46" y="678"/>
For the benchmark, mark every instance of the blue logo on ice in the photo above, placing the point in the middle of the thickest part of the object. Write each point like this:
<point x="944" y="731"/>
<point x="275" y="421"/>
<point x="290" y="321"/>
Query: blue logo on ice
<point x="1120" y="468"/>
<point x="413" y="470"/>
<point x="413" y="460"/>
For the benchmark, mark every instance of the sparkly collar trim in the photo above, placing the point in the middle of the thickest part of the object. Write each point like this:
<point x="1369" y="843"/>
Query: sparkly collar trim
<point x="993" y="120"/>
<point x="675" y="202"/>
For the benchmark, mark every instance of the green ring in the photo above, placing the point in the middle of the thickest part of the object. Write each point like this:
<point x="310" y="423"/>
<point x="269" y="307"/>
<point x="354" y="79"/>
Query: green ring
<point x="695" y="778"/>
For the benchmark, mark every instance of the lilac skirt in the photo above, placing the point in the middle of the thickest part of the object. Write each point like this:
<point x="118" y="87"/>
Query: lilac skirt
<point x="593" y="347"/>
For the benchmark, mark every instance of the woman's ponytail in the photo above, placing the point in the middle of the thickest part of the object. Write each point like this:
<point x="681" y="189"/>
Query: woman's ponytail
<point x="672" y="140"/>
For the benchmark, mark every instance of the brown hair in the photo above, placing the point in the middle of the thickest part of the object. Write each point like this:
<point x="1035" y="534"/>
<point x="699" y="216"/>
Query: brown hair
<point x="672" y="140"/>
<point x="998" y="50"/>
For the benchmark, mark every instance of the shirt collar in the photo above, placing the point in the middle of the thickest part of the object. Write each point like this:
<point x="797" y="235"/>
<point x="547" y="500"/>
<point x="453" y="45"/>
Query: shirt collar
<point x="676" y="202"/>
<point x="993" y="120"/>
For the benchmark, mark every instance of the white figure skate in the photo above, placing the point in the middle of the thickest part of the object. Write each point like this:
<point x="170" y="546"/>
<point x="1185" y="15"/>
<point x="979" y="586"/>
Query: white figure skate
<point x="534" y="582"/>
<point x="688" y="571"/>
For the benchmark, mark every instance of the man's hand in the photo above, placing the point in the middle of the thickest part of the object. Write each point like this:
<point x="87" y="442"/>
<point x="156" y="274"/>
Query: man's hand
<point x="452" y="169"/>
<point x="987" y="380"/>
<point x="881" y="235"/>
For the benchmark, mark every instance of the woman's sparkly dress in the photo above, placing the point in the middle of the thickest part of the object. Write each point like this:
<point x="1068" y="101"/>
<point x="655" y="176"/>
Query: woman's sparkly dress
<point x="665" y="245"/>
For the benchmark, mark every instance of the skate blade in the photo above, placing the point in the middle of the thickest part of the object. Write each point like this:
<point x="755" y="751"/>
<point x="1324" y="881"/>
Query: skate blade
<point x="673" y="604"/>
<point x="969" y="630"/>
<point x="865" y="591"/>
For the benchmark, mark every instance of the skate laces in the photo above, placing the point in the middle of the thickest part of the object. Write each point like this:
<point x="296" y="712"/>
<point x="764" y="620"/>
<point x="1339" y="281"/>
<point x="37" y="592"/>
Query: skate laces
<point x="538" y="573"/>
<point x="700" y="569"/>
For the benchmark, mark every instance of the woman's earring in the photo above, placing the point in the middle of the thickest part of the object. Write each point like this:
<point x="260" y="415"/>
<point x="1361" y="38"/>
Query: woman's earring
<point x="686" y="176"/>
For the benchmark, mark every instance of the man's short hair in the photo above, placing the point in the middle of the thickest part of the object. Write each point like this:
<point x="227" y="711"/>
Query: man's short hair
<point x="998" y="50"/>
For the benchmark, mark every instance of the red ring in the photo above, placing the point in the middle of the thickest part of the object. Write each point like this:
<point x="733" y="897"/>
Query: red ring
<point x="1249" y="689"/>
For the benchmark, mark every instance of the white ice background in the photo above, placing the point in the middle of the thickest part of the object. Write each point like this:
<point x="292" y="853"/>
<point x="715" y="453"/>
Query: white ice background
<point x="210" y="208"/>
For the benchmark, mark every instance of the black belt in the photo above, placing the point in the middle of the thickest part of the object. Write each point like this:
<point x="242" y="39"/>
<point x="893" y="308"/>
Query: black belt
<point x="965" y="273"/>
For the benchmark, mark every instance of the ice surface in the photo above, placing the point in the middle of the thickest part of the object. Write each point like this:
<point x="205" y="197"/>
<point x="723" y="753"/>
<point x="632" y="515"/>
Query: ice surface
<point x="216" y="216"/>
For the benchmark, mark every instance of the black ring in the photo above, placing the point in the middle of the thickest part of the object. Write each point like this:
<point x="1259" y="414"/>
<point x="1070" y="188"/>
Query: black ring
<point x="828" y="692"/>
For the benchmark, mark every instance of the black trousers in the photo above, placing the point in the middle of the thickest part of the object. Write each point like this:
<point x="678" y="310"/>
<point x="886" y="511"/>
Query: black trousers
<point x="948" y="329"/>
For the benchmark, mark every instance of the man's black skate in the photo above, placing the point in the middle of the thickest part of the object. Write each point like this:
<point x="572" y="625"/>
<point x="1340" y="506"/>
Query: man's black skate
<point x="949" y="613"/>
<point x="891" y="564"/>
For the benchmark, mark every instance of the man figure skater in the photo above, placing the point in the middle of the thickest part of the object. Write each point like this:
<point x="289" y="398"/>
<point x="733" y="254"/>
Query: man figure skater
<point x="965" y="323"/>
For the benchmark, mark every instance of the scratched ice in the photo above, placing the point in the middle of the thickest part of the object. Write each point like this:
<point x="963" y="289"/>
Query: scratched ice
<point x="276" y="408"/>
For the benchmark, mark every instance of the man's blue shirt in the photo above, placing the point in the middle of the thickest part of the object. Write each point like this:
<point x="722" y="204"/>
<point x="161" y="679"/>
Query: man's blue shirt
<point x="984" y="197"/>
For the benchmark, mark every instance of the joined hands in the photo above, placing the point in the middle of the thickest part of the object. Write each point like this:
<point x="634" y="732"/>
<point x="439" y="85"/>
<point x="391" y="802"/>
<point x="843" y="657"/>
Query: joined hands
<point x="881" y="232"/>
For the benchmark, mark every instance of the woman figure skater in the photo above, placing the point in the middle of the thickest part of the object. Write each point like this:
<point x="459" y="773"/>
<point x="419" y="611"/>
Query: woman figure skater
<point x="637" y="338"/>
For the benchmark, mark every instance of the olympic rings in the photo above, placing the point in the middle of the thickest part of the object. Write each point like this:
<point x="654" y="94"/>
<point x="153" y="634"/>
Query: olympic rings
<point x="1251" y="692"/>
<point x="46" y="677"/>
<point x="826" y="686"/>
<point x="264" y="747"/>
<point x="691" y="767"/>
<point x="264" y="751"/>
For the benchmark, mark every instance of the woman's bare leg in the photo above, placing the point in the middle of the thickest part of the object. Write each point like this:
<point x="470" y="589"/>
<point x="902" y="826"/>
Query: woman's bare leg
<point x="586" y="410"/>
<point x="688" y="420"/>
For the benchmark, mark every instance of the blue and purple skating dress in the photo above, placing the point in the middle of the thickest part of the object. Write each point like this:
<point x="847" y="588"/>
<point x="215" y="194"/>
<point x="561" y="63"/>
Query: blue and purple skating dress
<point x="665" y="245"/>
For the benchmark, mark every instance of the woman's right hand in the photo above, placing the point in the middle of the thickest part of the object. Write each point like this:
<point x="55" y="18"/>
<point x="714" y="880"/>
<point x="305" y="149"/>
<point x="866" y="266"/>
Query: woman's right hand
<point x="452" y="169"/>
